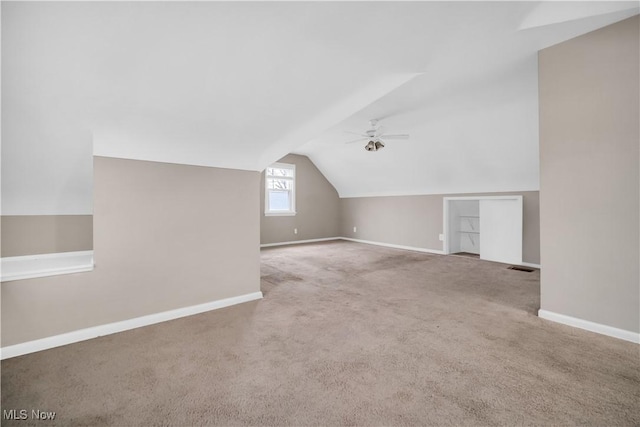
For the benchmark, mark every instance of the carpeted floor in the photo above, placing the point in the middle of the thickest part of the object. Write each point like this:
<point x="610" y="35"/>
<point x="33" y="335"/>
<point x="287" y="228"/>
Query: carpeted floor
<point x="347" y="334"/>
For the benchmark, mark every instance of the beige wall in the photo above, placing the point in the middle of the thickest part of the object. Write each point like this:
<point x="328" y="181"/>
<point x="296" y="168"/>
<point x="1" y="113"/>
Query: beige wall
<point x="417" y="220"/>
<point x="45" y="234"/>
<point x="589" y="180"/>
<point x="166" y="236"/>
<point x="317" y="206"/>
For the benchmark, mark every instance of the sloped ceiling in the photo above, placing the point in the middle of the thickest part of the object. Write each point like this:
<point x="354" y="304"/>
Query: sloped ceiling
<point x="239" y="85"/>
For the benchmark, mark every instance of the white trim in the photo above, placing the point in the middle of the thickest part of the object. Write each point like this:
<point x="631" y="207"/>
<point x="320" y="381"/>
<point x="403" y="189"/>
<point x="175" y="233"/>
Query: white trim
<point x="46" y="273"/>
<point x="392" y="193"/>
<point x="43" y="265"/>
<point x="622" y="334"/>
<point x="276" y="213"/>
<point x="125" y="325"/>
<point x="292" y="210"/>
<point x="391" y="245"/>
<point x="445" y="226"/>
<point x="515" y="196"/>
<point x="369" y="242"/>
<point x="295" y="242"/>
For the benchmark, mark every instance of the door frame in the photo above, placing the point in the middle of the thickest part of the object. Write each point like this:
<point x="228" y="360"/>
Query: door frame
<point x="445" y="213"/>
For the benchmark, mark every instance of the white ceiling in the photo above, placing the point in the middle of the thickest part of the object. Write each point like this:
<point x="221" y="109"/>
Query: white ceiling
<point x="239" y="85"/>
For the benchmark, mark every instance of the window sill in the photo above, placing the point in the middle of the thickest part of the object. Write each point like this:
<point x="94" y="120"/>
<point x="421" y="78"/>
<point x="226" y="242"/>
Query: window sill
<point x="33" y="266"/>
<point x="279" y="214"/>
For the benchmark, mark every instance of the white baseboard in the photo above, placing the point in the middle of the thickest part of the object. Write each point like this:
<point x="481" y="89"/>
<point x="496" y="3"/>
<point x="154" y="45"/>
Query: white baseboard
<point x="370" y="242"/>
<point x="391" y="245"/>
<point x="590" y="326"/>
<point x="44" y="265"/>
<point x="413" y="248"/>
<point x="125" y="325"/>
<point x="296" y="242"/>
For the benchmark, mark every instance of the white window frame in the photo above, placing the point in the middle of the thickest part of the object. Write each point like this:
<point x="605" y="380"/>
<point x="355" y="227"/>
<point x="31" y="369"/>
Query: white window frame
<point x="290" y="212"/>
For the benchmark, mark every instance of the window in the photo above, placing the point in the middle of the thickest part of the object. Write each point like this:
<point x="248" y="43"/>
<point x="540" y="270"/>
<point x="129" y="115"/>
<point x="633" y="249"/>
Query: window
<point x="279" y="194"/>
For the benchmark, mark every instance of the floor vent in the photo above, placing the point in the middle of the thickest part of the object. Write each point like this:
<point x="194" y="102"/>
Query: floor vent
<point x="519" y="268"/>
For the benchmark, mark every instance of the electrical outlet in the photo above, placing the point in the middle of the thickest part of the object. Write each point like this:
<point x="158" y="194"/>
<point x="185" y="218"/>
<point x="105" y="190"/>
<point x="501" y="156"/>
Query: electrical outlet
<point x="441" y="237"/>
<point x="295" y="231"/>
<point x="354" y="229"/>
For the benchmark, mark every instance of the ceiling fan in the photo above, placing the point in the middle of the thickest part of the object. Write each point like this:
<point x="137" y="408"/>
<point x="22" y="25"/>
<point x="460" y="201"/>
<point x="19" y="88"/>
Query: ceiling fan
<point x="375" y="136"/>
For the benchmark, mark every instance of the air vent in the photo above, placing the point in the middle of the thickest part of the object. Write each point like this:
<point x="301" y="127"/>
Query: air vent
<point x="519" y="268"/>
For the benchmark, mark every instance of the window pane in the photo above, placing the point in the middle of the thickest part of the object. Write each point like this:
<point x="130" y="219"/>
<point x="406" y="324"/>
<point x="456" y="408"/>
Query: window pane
<point x="279" y="184"/>
<point x="279" y="200"/>
<point x="280" y="172"/>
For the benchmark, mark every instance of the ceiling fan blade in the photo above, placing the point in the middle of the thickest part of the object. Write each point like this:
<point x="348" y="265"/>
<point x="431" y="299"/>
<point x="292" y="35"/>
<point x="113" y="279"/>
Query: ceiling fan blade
<point x="356" y="133"/>
<point x="399" y="136"/>
<point x="357" y="140"/>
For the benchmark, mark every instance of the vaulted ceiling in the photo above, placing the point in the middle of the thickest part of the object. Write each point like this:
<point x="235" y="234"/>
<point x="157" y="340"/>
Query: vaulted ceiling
<point x="239" y="85"/>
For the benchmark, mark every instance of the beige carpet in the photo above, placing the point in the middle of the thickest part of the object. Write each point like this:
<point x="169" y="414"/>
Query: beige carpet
<point x="347" y="334"/>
